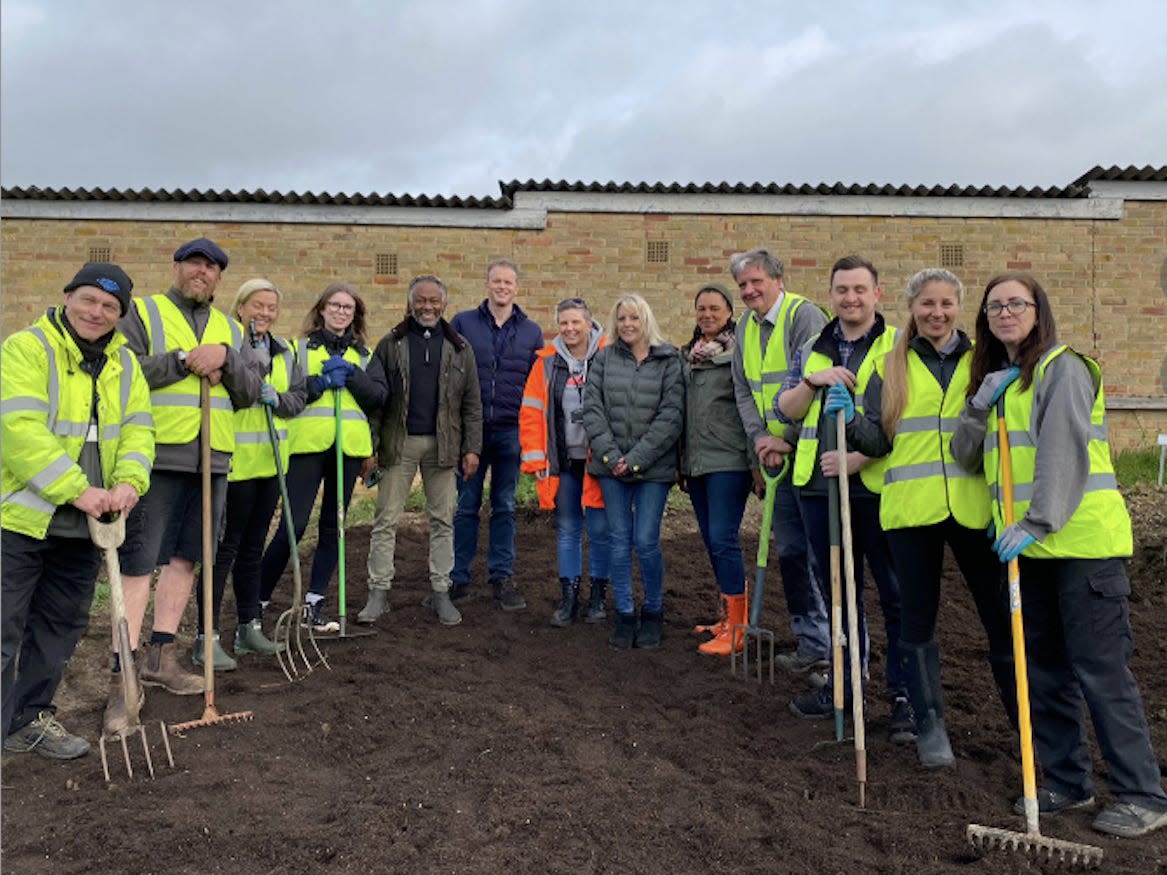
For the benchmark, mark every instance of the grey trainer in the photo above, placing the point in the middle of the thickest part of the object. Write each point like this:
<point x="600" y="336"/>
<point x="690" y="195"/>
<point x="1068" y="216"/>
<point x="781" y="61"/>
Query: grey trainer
<point x="1129" y="820"/>
<point x="47" y="737"/>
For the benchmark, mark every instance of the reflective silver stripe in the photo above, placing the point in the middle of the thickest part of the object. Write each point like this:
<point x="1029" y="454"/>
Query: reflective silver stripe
<point x="184" y="400"/>
<point x="901" y="473"/>
<point x="1016" y="439"/>
<point x="1024" y="491"/>
<point x="24" y="402"/>
<point x="328" y="414"/>
<point x="68" y="429"/>
<point x="537" y="456"/>
<point x="54" y="388"/>
<point x="302" y="353"/>
<point x="916" y="424"/>
<point x="1097" y="432"/>
<point x="110" y="432"/>
<point x="157" y="332"/>
<point x="236" y="332"/>
<point x="771" y="416"/>
<point x="144" y="418"/>
<point x="127" y="383"/>
<point x="42" y="479"/>
<point x="534" y="402"/>
<point x="140" y="459"/>
<point x="810" y="433"/>
<point x="364" y="360"/>
<point x="258" y="437"/>
<point x="28" y="498"/>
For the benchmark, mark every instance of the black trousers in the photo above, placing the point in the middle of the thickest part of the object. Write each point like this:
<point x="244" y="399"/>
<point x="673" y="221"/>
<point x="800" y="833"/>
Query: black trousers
<point x="1078" y="643"/>
<point x="45" y="593"/>
<point x="250" y="505"/>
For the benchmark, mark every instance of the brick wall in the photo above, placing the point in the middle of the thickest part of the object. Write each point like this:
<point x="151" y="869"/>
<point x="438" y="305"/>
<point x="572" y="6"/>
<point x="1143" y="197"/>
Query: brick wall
<point x="1108" y="279"/>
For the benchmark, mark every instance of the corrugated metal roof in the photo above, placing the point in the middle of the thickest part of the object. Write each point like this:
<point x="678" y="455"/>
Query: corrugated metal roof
<point x="252" y="197"/>
<point x="773" y="188"/>
<point x="1123" y="174"/>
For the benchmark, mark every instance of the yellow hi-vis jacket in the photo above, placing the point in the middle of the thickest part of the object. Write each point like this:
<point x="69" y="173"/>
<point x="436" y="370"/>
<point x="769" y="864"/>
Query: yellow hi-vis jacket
<point x="1101" y="526"/>
<point x="765" y="373"/>
<point x="45" y="412"/>
<point x="808" y="438"/>
<point x="314" y="430"/>
<point x="254" y="459"/>
<point x="922" y="482"/>
<point x="176" y="407"/>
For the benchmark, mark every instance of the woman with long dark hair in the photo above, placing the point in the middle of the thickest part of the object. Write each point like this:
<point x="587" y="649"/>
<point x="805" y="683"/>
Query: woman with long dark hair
<point x="333" y="352"/>
<point x="1071" y="536"/>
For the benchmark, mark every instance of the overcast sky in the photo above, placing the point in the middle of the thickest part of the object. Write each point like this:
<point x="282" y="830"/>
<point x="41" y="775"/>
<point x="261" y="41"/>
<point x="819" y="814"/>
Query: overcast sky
<point x="451" y="96"/>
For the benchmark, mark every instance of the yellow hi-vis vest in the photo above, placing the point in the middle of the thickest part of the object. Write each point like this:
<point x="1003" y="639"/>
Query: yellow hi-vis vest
<point x="45" y="406"/>
<point x="176" y="407"/>
<point x="808" y="438"/>
<point x="253" y="457"/>
<point x="922" y="483"/>
<point x="1100" y="527"/>
<point x="765" y="371"/>
<point x="314" y="430"/>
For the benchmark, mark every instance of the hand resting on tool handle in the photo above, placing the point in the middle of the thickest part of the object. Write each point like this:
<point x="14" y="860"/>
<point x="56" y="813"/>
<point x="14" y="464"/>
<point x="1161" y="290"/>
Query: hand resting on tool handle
<point x="98" y="502"/>
<point x="993" y="386"/>
<point x="838" y="398"/>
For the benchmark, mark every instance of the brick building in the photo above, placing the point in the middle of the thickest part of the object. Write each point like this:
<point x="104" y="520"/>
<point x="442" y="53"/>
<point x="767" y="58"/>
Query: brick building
<point x="1098" y="245"/>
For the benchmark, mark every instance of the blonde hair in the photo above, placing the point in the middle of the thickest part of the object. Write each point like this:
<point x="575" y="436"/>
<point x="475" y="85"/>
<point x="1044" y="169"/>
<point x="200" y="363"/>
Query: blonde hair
<point x="895" y="367"/>
<point x="249" y="288"/>
<point x="647" y="320"/>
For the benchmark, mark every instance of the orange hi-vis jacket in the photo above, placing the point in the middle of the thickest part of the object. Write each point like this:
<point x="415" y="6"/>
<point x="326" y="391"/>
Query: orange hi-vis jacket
<point x="537" y="434"/>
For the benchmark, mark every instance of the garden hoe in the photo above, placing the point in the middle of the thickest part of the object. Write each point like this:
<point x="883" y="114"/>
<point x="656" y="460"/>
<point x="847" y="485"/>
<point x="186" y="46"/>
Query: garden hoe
<point x="344" y="632"/>
<point x="1031" y="843"/>
<point x="752" y="630"/>
<point x="288" y="629"/>
<point x="211" y="716"/>
<point x="852" y="617"/>
<point x="108" y="537"/>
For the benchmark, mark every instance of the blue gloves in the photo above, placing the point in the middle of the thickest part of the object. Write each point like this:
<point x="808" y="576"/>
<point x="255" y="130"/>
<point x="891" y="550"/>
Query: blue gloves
<point x="994" y="386"/>
<point x="1012" y="541"/>
<point x="269" y="396"/>
<point x="838" y="398"/>
<point x="335" y="372"/>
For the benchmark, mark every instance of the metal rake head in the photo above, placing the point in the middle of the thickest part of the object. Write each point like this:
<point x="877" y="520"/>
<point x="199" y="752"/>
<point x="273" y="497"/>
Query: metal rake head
<point x="1041" y="849"/>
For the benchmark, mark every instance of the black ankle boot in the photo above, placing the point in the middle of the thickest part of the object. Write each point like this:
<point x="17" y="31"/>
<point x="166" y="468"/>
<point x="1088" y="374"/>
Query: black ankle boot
<point x="921" y="664"/>
<point x="623" y="633"/>
<point x="596" y="612"/>
<point x="569" y="604"/>
<point x="649" y="634"/>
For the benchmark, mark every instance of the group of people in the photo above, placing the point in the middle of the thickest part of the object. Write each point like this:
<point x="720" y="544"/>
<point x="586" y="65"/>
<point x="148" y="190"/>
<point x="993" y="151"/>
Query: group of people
<point x="101" y="415"/>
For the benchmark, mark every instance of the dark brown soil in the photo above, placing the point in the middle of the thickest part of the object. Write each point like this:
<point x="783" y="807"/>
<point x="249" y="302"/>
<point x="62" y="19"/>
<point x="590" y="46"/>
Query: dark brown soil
<point x="504" y="744"/>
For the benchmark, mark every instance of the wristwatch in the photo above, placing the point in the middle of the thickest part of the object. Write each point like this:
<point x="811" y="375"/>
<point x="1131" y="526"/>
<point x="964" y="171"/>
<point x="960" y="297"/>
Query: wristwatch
<point x="182" y="359"/>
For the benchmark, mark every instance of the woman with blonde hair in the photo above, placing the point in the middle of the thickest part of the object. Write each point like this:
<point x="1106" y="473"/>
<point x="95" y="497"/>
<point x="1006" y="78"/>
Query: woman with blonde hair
<point x="911" y="406"/>
<point x="253" y="489"/>
<point x="634" y="407"/>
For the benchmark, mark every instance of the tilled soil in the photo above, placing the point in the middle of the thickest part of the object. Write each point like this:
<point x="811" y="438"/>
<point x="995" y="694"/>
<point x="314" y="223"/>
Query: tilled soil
<point x="504" y="744"/>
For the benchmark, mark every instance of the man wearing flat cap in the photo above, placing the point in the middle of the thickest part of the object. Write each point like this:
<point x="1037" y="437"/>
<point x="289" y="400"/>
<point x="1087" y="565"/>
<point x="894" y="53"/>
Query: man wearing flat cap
<point x="78" y="440"/>
<point x="180" y="339"/>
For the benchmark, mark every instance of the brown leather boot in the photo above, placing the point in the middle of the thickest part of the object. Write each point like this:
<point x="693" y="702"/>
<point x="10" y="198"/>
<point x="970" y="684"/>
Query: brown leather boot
<point x="116" y="720"/>
<point x="726" y="641"/>
<point x="160" y="668"/>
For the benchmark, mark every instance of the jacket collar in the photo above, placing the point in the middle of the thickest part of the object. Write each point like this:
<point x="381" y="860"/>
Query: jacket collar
<point x="455" y="339"/>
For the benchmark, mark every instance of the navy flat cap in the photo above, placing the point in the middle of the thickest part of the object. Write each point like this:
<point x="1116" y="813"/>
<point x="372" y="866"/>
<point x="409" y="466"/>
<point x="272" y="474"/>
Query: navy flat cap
<point x="205" y="247"/>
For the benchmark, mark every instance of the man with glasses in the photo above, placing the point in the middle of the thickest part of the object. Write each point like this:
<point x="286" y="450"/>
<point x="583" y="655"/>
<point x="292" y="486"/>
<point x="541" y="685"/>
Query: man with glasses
<point x="432" y="422"/>
<point x="179" y="339"/>
<point x="78" y="442"/>
<point x="505" y="343"/>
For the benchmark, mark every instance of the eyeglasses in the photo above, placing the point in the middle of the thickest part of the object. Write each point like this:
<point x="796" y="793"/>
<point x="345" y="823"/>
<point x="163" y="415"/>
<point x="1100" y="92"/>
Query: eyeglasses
<point x="1015" y="307"/>
<point x="340" y="308"/>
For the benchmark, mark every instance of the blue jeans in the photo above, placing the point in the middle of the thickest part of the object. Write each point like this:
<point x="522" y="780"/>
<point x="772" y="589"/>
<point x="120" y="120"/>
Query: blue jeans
<point x="634" y="511"/>
<point x="570" y="515"/>
<point x="500" y="453"/>
<point x="719" y="500"/>
<point x="808" y="612"/>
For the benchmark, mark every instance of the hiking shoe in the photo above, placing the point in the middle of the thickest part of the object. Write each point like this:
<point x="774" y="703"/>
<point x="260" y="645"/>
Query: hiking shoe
<point x="901" y="727"/>
<point x="818" y="705"/>
<point x="220" y="659"/>
<point x="160" y="668"/>
<point x="1051" y="802"/>
<point x="317" y="620"/>
<point x="798" y="662"/>
<point x="249" y="638"/>
<point x="816" y="679"/>
<point x="441" y="604"/>
<point x="459" y="593"/>
<point x="1129" y="820"/>
<point x="507" y="595"/>
<point x="47" y="737"/>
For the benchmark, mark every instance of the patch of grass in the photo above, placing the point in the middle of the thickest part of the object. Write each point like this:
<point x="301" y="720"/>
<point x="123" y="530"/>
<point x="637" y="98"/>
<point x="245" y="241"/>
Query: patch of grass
<point x="1134" y="467"/>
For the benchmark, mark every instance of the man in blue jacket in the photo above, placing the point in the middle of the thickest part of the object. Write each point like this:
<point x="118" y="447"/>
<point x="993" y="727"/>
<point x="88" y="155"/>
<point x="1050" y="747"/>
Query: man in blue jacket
<point x="505" y="342"/>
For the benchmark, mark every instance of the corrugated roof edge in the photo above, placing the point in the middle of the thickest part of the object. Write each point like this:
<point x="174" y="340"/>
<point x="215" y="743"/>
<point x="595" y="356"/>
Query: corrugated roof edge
<point x="1124" y="174"/>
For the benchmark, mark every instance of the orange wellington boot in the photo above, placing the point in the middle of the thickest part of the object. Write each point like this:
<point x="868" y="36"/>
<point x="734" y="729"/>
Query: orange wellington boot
<point x="720" y="626"/>
<point x="726" y="641"/>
